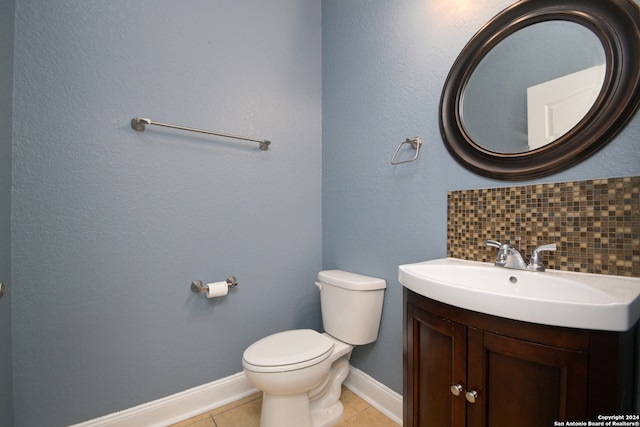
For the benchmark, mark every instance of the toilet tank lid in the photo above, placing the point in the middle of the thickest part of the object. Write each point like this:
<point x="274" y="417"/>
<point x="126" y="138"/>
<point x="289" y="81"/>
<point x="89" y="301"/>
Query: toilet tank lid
<point x="353" y="281"/>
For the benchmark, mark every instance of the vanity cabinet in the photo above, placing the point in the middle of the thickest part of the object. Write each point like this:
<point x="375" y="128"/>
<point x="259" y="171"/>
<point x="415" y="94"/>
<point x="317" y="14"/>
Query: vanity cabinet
<point x="463" y="368"/>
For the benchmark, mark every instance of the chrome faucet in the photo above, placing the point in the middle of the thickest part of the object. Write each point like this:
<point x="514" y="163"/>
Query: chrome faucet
<point x="510" y="257"/>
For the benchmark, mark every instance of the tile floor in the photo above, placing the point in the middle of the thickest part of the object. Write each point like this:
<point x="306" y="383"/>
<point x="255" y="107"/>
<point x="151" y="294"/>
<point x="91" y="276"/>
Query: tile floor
<point x="246" y="413"/>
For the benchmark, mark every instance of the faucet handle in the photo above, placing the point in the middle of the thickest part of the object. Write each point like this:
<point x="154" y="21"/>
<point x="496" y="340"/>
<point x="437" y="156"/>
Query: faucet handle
<point x="547" y="247"/>
<point x="535" y="263"/>
<point x="493" y="244"/>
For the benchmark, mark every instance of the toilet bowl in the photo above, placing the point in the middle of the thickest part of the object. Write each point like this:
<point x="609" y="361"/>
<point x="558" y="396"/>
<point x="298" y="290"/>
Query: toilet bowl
<point x="301" y="371"/>
<point x="300" y="374"/>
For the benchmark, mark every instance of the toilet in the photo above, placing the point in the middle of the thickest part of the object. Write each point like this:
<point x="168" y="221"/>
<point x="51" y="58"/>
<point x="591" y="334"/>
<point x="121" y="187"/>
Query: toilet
<point x="301" y="371"/>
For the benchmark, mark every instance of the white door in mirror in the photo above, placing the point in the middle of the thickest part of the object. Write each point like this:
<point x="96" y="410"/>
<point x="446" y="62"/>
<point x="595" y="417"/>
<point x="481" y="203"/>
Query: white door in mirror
<point x="557" y="106"/>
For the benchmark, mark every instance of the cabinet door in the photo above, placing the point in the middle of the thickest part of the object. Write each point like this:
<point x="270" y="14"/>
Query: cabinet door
<point x="435" y="361"/>
<point x="523" y="383"/>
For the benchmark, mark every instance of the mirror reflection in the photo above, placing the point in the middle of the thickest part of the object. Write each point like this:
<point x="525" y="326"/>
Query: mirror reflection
<point x="533" y="87"/>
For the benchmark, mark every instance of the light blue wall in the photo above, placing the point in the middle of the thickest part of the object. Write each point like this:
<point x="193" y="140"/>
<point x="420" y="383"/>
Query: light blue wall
<point x="110" y="226"/>
<point x="384" y="65"/>
<point x="6" y="100"/>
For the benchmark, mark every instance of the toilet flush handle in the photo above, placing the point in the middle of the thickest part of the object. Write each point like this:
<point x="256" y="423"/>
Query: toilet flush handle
<point x="319" y="285"/>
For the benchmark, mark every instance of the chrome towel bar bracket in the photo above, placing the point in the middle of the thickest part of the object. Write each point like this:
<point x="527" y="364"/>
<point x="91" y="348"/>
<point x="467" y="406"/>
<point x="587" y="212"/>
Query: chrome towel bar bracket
<point x="139" y="123"/>
<point x="415" y="143"/>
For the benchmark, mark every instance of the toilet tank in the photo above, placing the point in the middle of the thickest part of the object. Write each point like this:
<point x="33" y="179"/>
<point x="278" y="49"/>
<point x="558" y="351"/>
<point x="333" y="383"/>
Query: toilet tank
<point x="351" y="305"/>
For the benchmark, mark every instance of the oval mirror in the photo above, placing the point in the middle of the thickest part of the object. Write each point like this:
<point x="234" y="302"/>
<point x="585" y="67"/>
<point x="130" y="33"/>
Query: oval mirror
<point x="542" y="86"/>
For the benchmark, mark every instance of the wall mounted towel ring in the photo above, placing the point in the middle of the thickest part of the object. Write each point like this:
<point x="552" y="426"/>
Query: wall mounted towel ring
<point x="415" y="143"/>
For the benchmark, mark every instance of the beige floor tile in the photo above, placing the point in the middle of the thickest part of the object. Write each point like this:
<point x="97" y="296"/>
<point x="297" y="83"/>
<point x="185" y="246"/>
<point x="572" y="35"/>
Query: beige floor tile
<point x="352" y="403"/>
<point x="247" y="415"/>
<point x="202" y="420"/>
<point x="370" y="417"/>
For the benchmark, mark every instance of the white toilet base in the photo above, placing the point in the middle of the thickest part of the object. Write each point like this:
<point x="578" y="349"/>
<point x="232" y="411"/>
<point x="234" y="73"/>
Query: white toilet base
<point x="327" y="417"/>
<point x="316" y="405"/>
<point x="287" y="410"/>
<point x="326" y="407"/>
<point x="320" y="407"/>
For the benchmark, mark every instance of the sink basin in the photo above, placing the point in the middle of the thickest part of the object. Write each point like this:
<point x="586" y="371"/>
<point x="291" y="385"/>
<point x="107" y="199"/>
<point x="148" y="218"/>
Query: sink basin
<point x="559" y="298"/>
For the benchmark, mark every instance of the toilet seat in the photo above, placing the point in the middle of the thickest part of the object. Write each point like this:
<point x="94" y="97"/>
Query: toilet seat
<point x="287" y="351"/>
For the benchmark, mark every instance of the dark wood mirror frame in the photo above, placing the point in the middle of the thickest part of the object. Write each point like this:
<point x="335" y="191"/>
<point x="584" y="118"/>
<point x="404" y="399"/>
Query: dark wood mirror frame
<point x="616" y="23"/>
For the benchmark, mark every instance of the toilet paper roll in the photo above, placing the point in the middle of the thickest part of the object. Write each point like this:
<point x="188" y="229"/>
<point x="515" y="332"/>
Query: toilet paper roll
<point x="217" y="289"/>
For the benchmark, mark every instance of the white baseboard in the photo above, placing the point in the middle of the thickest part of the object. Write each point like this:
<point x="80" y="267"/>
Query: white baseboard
<point x="179" y="406"/>
<point x="197" y="400"/>
<point x="375" y="394"/>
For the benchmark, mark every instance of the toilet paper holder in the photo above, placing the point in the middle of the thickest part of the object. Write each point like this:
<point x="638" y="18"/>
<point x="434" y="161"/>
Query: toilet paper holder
<point x="199" y="286"/>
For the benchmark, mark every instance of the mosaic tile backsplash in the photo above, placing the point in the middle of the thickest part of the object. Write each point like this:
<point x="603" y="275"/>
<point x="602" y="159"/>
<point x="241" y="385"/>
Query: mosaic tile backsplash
<point x="595" y="223"/>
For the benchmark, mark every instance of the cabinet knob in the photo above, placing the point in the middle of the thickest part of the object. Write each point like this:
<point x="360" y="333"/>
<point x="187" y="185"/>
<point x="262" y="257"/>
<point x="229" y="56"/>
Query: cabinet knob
<point x="471" y="396"/>
<point x="456" y="389"/>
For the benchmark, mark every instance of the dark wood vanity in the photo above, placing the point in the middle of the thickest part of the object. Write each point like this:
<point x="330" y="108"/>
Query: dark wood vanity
<point x="464" y="368"/>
